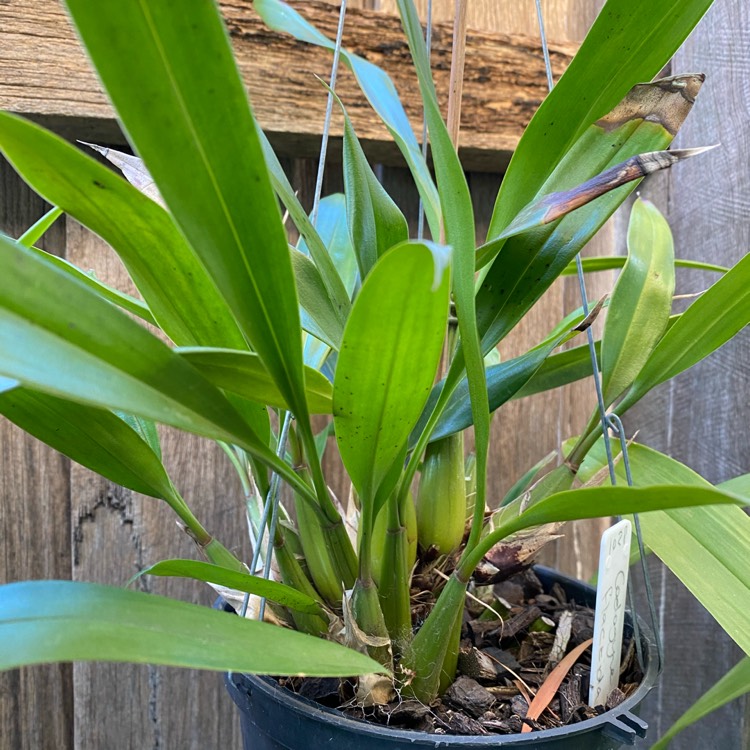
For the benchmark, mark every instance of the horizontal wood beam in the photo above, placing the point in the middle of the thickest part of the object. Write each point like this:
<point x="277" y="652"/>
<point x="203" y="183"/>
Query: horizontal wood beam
<point x="45" y="74"/>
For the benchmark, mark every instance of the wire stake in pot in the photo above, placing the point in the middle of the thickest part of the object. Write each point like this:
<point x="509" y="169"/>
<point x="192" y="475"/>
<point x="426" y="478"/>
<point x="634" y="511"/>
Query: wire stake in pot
<point x="609" y="420"/>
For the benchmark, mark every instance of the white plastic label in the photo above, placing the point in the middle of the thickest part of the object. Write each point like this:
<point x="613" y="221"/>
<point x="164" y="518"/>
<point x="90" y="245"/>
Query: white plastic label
<point x="609" y="618"/>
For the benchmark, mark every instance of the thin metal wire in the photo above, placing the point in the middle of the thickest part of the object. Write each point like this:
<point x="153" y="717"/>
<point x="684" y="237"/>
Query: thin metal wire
<point x="428" y="42"/>
<point x="273" y="499"/>
<point x="329" y="113"/>
<point x="616" y="424"/>
<point x="611" y="419"/>
<point x="269" y="507"/>
<point x="545" y="48"/>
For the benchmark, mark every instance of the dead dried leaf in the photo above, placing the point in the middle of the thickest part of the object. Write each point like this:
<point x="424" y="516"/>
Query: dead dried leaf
<point x="551" y="685"/>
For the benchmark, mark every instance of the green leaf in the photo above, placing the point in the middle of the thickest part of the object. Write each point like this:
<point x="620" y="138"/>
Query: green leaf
<point x="319" y="315"/>
<point x="379" y="90"/>
<point x="630" y="42"/>
<point x="609" y="262"/>
<point x="595" y="502"/>
<point x="332" y="233"/>
<point x="504" y="381"/>
<point x="641" y="301"/>
<point x="716" y="316"/>
<point x="34" y="233"/>
<point x="706" y="548"/>
<point x="311" y="236"/>
<point x="731" y="686"/>
<point x="527" y="264"/>
<point x="458" y="220"/>
<point x="59" y="337"/>
<point x="175" y="106"/>
<point x="95" y="438"/>
<point x="244" y="374"/>
<point x="560" y="369"/>
<point x="146" y="429"/>
<point x="380" y="387"/>
<point x="164" y="268"/>
<point x="375" y="222"/>
<point x="201" y="571"/>
<point x="115" y="296"/>
<point x="738" y="485"/>
<point x="50" y="621"/>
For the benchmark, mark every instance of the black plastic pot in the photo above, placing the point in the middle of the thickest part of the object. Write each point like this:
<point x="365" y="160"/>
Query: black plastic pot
<point x="274" y="718"/>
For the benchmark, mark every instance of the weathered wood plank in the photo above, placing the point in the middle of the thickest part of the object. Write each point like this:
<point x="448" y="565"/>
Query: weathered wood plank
<point x="45" y="74"/>
<point x="34" y="528"/>
<point x="699" y="418"/>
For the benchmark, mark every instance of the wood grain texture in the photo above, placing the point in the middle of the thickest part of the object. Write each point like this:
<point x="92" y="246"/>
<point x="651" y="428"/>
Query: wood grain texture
<point x="699" y="417"/>
<point x="117" y="533"/>
<point x="44" y="73"/>
<point x="34" y="528"/>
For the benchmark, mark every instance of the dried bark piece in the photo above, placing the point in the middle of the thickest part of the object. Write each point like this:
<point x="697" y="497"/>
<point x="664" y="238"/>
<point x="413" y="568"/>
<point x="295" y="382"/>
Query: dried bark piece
<point x="535" y="648"/>
<point x="509" y="591"/>
<point x="614" y="699"/>
<point x="562" y="637"/>
<point x="476" y="664"/>
<point x="570" y="697"/>
<point x="460" y="724"/>
<point x="505" y="661"/>
<point x="520" y="622"/>
<point x="469" y="696"/>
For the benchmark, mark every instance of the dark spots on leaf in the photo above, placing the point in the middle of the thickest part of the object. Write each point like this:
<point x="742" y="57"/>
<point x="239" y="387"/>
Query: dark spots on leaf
<point x="99" y="185"/>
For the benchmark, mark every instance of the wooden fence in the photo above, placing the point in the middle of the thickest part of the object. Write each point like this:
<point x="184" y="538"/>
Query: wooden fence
<point x="59" y="520"/>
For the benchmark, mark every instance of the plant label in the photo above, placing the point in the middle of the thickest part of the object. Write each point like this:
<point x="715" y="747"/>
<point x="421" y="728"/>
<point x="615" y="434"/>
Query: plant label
<point x="609" y="618"/>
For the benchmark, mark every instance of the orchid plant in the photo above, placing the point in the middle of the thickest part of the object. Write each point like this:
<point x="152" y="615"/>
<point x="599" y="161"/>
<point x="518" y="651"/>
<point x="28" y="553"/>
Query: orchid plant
<point x="260" y="336"/>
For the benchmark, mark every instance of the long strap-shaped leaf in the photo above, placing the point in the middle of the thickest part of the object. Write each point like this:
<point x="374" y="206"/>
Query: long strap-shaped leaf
<point x="330" y="277"/>
<point x="95" y="438"/>
<point x="608" y="262"/>
<point x="379" y="90"/>
<point x="89" y="622"/>
<point x="706" y="548"/>
<point x="59" y="337"/>
<point x="595" y="502"/>
<point x="734" y="684"/>
<point x="641" y="301"/>
<point x="630" y="42"/>
<point x="458" y="218"/>
<point x="647" y="119"/>
<point x="380" y="386"/>
<point x="189" y="119"/>
<point x="181" y="296"/>
<point x="375" y="221"/>
<point x="707" y="324"/>
<point x="234" y="579"/>
<point x="244" y="374"/>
